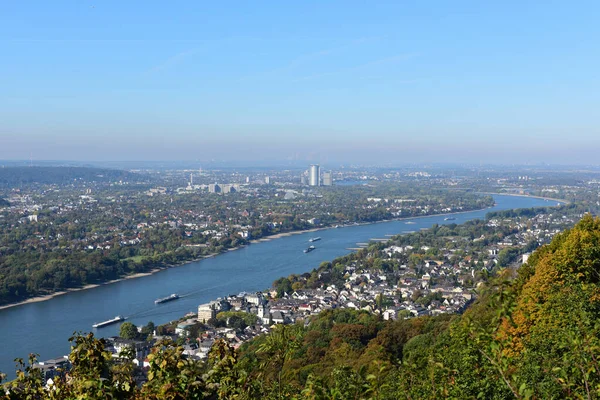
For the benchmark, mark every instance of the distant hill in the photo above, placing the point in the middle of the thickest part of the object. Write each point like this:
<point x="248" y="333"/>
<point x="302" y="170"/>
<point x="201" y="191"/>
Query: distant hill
<point x="16" y="176"/>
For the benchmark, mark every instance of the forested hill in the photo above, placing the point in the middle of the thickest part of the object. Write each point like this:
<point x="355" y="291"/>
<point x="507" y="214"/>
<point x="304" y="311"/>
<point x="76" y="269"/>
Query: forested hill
<point x="16" y="176"/>
<point x="4" y="203"/>
<point x="534" y="333"/>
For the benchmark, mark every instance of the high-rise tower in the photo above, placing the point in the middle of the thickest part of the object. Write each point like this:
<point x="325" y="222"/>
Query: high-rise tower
<point x="327" y="179"/>
<point x="314" y="175"/>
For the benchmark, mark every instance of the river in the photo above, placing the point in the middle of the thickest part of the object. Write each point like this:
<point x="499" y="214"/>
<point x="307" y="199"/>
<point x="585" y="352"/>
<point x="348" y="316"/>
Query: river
<point x="44" y="327"/>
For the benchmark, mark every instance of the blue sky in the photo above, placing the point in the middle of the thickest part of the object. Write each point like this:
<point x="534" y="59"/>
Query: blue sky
<point x="509" y="81"/>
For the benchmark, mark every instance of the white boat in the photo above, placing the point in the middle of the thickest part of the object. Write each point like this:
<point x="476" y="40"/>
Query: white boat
<point x="116" y="319"/>
<point x="309" y="249"/>
<point x="165" y="299"/>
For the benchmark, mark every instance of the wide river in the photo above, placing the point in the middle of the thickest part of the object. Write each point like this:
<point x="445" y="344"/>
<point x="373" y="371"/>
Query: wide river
<point x="44" y="327"/>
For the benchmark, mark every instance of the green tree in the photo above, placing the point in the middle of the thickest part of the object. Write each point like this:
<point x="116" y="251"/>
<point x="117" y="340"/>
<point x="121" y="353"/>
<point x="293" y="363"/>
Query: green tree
<point x="237" y="323"/>
<point x="172" y="376"/>
<point x="29" y="383"/>
<point x="91" y="374"/>
<point x="283" y="285"/>
<point x="128" y="330"/>
<point x="276" y="349"/>
<point x="148" y="330"/>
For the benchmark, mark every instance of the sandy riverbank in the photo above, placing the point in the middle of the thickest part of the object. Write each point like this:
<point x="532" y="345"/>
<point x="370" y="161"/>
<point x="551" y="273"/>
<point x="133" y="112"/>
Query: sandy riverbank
<point x="265" y="239"/>
<point x="526" y="195"/>
<point x="37" y="299"/>
<point x="286" y="234"/>
<point x="154" y="271"/>
<point x="90" y="286"/>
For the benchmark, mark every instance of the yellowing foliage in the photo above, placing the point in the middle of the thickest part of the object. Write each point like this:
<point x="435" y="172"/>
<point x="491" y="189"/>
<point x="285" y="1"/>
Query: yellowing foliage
<point x="564" y="284"/>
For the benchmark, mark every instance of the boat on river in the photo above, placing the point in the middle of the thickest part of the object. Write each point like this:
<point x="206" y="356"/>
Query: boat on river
<point x="315" y="239"/>
<point x="165" y="299"/>
<point x="116" y="319"/>
<point x="269" y="260"/>
<point x="309" y="249"/>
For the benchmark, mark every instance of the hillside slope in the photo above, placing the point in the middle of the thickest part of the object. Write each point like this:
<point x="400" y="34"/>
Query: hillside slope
<point x="532" y="334"/>
<point x="536" y="336"/>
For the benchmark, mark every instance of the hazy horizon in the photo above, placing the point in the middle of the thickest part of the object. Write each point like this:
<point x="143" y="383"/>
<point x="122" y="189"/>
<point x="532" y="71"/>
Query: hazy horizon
<point x="302" y="165"/>
<point x="336" y="82"/>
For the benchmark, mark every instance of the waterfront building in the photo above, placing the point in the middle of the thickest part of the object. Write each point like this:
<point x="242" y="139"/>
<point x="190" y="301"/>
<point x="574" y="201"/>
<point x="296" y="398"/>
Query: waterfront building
<point x="314" y="175"/>
<point x="54" y="367"/>
<point x="206" y="312"/>
<point x="255" y="298"/>
<point x="210" y="310"/>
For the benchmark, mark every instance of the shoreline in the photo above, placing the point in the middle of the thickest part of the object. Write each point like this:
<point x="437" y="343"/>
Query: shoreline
<point x="45" y="297"/>
<point x="153" y="271"/>
<point x="532" y="197"/>
<point x="38" y="299"/>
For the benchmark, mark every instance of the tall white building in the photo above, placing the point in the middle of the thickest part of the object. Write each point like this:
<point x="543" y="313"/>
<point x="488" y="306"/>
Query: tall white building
<point x="327" y="179"/>
<point x="314" y="175"/>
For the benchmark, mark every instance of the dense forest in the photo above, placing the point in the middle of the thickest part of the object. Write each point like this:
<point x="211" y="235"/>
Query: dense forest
<point x="18" y="176"/>
<point x="533" y="334"/>
<point x="28" y="273"/>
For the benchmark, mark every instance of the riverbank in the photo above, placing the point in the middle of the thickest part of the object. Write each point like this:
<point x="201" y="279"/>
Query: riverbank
<point x="264" y="239"/>
<point x="286" y="234"/>
<point x="529" y="196"/>
<point x="253" y="268"/>
<point x="86" y="287"/>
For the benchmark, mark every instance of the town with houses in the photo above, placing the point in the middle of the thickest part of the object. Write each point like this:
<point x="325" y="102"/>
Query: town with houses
<point x="178" y="216"/>
<point x="58" y="218"/>
<point x="444" y="283"/>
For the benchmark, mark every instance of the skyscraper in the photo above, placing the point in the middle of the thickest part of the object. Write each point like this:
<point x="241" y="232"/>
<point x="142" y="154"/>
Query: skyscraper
<point x="327" y="178"/>
<point x="314" y="175"/>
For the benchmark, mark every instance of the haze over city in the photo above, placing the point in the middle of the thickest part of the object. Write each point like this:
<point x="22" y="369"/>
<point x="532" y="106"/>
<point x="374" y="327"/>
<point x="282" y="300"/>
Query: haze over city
<point x="326" y="81"/>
